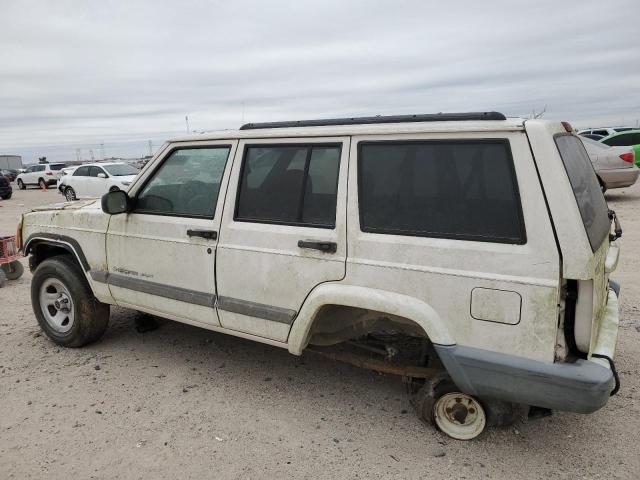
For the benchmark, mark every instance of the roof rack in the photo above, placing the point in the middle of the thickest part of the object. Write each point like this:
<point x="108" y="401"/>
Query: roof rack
<point x="425" y="117"/>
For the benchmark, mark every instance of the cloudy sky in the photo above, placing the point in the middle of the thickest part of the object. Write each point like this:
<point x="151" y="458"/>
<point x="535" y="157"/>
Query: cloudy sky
<point x="77" y="74"/>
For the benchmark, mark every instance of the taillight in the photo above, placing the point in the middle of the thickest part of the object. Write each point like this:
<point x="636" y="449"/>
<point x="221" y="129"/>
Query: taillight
<point x="627" y="157"/>
<point x="48" y="173"/>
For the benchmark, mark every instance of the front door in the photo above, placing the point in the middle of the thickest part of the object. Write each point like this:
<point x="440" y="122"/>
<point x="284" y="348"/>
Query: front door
<point x="283" y="231"/>
<point x="161" y="256"/>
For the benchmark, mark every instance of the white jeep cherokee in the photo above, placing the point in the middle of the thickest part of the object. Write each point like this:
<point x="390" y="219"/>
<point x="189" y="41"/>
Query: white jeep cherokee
<point x="470" y="252"/>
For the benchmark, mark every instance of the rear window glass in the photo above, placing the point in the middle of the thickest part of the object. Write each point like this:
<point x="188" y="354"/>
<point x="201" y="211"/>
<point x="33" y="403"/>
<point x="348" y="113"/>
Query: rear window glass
<point x="449" y="189"/>
<point x="623" y="140"/>
<point x="57" y="166"/>
<point x="591" y="203"/>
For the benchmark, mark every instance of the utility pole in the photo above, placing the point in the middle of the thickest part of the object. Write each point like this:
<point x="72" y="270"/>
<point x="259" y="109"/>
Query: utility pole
<point x="150" y="148"/>
<point x="91" y="155"/>
<point x="78" y="154"/>
<point x="186" y="119"/>
<point x="102" y="150"/>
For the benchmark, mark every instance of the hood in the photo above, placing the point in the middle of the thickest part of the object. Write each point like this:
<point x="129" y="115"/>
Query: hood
<point x="77" y="205"/>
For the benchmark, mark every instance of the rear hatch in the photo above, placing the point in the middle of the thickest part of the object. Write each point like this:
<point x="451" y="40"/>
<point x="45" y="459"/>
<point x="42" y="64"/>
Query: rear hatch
<point x="56" y="169"/>
<point x="592" y="293"/>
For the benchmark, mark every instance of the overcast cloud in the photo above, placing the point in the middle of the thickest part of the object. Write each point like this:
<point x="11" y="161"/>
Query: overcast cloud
<point x="77" y="74"/>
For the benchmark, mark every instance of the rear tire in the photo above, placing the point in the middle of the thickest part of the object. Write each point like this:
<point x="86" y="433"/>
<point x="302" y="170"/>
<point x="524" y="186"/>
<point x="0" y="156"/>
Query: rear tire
<point x="70" y="194"/>
<point x="21" y="185"/>
<point x="13" y="270"/>
<point x="62" y="300"/>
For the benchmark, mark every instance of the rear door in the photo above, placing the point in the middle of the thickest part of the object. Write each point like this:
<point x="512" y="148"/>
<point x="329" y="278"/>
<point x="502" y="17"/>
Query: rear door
<point x="78" y="181"/>
<point x="283" y="231"/>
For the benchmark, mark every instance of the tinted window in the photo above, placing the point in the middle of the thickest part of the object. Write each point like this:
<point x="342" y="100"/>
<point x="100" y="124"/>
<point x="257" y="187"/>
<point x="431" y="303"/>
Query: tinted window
<point x="450" y="189"/>
<point x="94" y="171"/>
<point x="600" y="132"/>
<point x="623" y="140"/>
<point x="56" y="166"/>
<point x="81" y="172"/>
<point x="290" y="184"/>
<point x="186" y="184"/>
<point x="591" y="203"/>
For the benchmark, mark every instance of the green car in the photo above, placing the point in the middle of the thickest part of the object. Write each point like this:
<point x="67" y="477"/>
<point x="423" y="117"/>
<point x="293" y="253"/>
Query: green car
<point x="628" y="138"/>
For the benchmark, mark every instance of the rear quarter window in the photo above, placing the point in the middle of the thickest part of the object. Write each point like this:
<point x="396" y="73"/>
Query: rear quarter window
<point x="586" y="189"/>
<point x="458" y="189"/>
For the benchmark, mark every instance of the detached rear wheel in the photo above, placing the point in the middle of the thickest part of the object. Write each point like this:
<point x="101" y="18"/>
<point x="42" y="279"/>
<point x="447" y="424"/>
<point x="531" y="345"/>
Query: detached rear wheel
<point x="13" y="270"/>
<point x="64" y="304"/>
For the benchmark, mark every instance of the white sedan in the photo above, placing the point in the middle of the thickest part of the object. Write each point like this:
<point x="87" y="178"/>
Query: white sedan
<point x="96" y="179"/>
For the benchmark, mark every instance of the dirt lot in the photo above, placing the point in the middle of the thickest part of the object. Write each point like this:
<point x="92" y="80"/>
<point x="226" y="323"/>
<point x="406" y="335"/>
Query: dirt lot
<point x="181" y="402"/>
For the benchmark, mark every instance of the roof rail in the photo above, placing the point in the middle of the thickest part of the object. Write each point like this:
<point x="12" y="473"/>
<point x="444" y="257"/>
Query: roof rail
<point x="425" y="117"/>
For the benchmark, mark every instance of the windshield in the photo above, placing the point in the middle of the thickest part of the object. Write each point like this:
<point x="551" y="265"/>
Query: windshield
<point x="120" y="170"/>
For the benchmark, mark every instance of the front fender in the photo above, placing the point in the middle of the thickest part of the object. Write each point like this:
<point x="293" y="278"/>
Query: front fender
<point x="369" y="298"/>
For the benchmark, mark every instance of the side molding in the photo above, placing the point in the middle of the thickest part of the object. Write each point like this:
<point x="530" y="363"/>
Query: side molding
<point x="373" y="299"/>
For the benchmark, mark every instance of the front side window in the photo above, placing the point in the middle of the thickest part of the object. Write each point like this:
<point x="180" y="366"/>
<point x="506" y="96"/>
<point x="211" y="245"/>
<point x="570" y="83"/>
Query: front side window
<point x="186" y="184"/>
<point x="81" y="172"/>
<point x="94" y="171"/>
<point x="289" y="184"/>
<point x="463" y="189"/>
<point x="591" y="203"/>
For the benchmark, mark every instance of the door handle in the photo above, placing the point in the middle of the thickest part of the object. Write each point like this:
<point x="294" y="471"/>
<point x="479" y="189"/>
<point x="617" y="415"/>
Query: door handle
<point x="327" y="247"/>
<point x="210" y="234"/>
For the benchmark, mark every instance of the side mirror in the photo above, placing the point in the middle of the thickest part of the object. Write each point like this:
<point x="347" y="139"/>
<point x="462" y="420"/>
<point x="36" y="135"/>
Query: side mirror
<point x="116" y="202"/>
<point x="102" y="175"/>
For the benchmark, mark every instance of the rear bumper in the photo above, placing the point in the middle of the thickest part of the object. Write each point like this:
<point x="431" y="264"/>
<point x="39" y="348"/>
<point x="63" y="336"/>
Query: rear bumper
<point x="619" y="177"/>
<point x="582" y="387"/>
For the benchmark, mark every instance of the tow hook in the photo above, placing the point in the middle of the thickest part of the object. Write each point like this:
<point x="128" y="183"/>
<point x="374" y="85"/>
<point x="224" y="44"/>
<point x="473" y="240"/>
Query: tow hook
<point x="617" y="229"/>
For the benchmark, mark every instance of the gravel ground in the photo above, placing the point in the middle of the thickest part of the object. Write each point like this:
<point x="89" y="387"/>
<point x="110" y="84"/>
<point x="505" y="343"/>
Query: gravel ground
<point x="182" y="402"/>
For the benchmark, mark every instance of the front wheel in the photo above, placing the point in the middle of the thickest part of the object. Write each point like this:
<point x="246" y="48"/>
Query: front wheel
<point x="70" y="194"/>
<point x="13" y="270"/>
<point x="64" y="304"/>
<point x="21" y="185"/>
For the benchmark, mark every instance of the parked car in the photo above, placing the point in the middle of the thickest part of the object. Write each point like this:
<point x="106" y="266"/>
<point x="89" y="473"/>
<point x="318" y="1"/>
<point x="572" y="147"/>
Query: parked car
<point x="614" y="166"/>
<point x="592" y="136"/>
<point x="604" y="131"/>
<point x="42" y="175"/>
<point x="96" y="179"/>
<point x="68" y="170"/>
<point x="630" y="138"/>
<point x="471" y="250"/>
<point x="5" y="188"/>
<point x="10" y="175"/>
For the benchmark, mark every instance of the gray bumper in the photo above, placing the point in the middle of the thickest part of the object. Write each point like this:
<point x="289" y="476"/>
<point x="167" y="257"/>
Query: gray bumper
<point x="581" y="387"/>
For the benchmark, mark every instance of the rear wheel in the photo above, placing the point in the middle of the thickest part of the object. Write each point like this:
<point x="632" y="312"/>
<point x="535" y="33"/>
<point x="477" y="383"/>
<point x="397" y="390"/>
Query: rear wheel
<point x="21" y="185"/>
<point x="13" y="270"/>
<point x="64" y="304"/>
<point x="459" y="415"/>
<point x="7" y="196"/>
<point x="69" y="194"/>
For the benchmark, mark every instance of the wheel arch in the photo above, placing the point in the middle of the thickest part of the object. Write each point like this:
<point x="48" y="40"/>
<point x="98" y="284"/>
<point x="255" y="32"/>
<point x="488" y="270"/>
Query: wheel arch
<point x="398" y="305"/>
<point x="43" y="245"/>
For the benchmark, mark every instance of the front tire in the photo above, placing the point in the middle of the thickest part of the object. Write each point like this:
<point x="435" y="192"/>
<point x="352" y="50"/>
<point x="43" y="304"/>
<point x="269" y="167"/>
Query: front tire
<point x="64" y="304"/>
<point x="70" y="194"/>
<point x="21" y="185"/>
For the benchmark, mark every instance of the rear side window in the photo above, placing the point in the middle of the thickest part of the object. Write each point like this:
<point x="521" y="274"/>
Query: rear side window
<point x="289" y="184"/>
<point x="623" y="140"/>
<point x="81" y="172"/>
<point x="591" y="203"/>
<point x="462" y="189"/>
